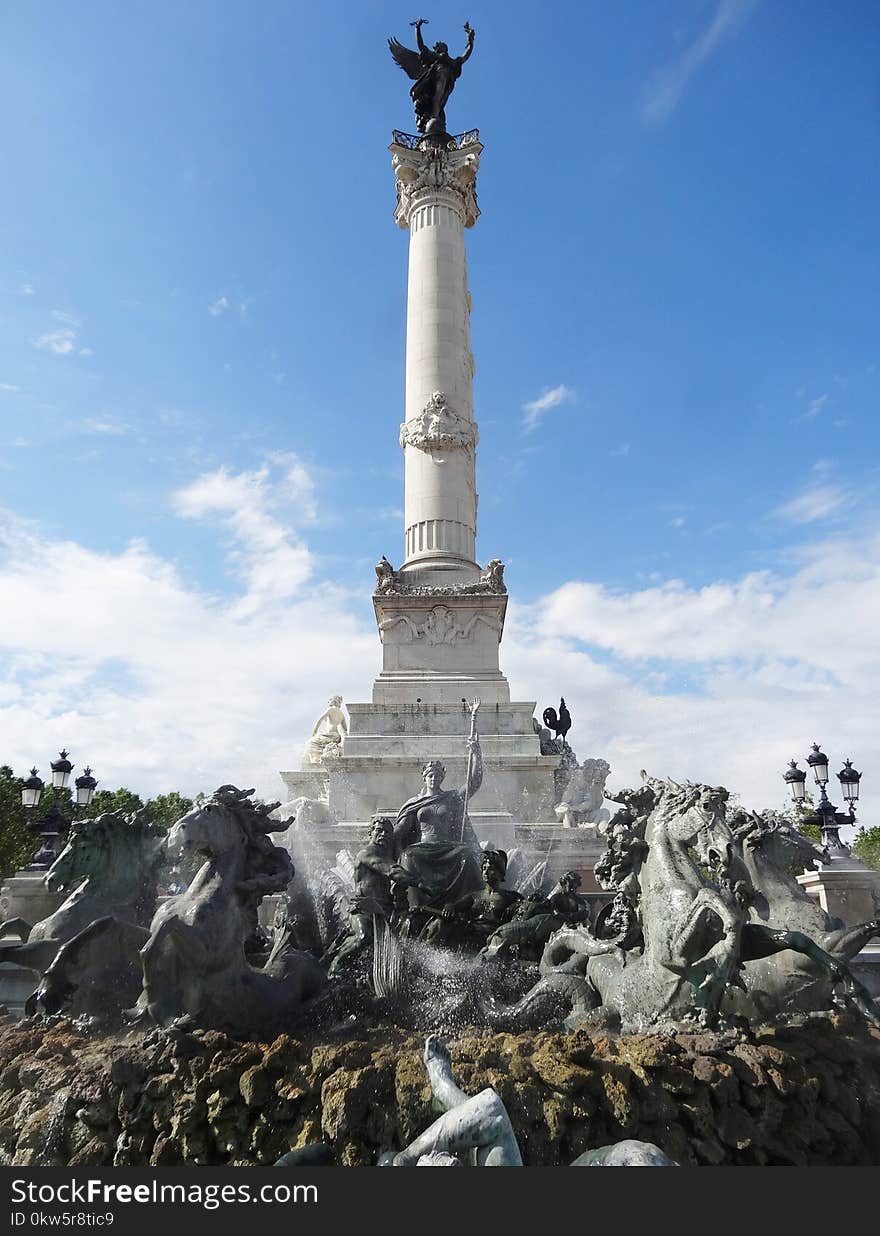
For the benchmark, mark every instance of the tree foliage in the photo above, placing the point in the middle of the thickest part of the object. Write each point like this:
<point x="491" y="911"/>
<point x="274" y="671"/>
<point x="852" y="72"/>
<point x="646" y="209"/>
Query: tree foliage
<point x="866" y="847"/>
<point x="18" y="845"/>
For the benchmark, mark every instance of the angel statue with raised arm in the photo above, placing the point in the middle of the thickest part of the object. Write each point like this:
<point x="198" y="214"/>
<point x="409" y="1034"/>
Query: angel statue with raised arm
<point x="434" y="73"/>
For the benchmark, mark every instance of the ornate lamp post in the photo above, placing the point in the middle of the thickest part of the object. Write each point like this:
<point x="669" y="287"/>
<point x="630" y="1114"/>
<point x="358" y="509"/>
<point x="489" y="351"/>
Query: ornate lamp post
<point x="826" y="815"/>
<point x="52" y="827"/>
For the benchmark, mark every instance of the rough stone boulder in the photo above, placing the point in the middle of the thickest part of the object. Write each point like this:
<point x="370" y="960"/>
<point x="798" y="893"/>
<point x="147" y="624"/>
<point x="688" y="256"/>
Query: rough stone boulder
<point x="805" y="1094"/>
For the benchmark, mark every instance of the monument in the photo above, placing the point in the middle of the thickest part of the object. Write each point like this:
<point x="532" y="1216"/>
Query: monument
<point x="709" y="1002"/>
<point x="440" y="614"/>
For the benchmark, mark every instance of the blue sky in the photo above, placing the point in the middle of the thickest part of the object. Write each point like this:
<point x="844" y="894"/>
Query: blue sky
<point x="201" y="373"/>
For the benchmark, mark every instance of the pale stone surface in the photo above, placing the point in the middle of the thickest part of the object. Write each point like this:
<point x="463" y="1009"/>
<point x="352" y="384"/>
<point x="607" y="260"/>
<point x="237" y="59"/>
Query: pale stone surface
<point x="584" y="795"/>
<point x="436" y="201"/>
<point x="440" y="618"/>
<point x="327" y="734"/>
<point x="845" y="888"/>
<point x="438" y="649"/>
<point x="25" y="896"/>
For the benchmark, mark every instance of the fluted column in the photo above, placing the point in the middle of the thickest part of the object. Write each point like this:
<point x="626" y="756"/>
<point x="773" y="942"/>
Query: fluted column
<point x="436" y="201"/>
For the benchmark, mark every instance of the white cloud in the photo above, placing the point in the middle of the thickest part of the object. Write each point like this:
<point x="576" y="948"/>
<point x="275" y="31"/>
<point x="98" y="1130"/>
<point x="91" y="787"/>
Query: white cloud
<point x="551" y="398"/>
<point x="722" y="684"/>
<point x="816" y="502"/>
<point x="67" y="318"/>
<point x="155" y="683"/>
<point x="61" y="342"/>
<point x="268" y="554"/>
<point x="9" y="386"/>
<point x="104" y="425"/>
<point x="664" y="93"/>
<point x="26" y="289"/>
<point x="219" y="306"/>
<point x="814" y="407"/>
<point x="160" y="685"/>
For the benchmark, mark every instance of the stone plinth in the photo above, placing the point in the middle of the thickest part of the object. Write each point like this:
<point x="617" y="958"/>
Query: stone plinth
<point x="438" y="649"/>
<point x="850" y="891"/>
<point x="388" y="744"/>
<point x="309" y="782"/>
<point x="845" y="889"/>
<point x="25" y="896"/>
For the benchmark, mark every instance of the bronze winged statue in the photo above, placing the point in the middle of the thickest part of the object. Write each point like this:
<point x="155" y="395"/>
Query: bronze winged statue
<point x="434" y="73"/>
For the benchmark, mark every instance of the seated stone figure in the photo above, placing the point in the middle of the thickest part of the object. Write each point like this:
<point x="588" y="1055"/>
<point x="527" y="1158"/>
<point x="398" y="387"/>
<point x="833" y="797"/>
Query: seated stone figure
<point x="437" y="845"/>
<point x="376" y="872"/>
<point x="472" y="919"/>
<point x="325" y="741"/>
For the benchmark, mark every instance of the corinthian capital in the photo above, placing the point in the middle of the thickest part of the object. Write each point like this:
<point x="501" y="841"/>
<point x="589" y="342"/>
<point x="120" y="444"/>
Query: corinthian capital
<point x="432" y="173"/>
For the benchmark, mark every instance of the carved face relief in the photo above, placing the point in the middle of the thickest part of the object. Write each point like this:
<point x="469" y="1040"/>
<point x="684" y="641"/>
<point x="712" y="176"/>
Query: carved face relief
<point x="440" y="627"/>
<point x="439" y="427"/>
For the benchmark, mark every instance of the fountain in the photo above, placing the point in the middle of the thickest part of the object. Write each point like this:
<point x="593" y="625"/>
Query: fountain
<point x="606" y="983"/>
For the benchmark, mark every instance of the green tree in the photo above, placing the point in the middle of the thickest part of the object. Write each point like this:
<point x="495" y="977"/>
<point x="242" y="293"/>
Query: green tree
<point x="166" y="809"/>
<point x="794" y="815"/>
<point x="16" y="843"/>
<point x="866" y="847"/>
<point x="113" y="800"/>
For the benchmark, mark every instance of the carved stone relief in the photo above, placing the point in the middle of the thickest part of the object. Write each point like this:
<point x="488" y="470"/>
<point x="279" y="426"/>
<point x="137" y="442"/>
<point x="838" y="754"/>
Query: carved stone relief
<point x="438" y="426"/>
<point x="441" y="626"/>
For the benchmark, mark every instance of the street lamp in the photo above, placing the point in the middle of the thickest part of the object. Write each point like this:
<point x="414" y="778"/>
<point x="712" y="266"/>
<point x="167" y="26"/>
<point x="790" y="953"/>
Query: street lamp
<point x="85" y="787"/>
<point x="31" y="790"/>
<point x="61" y="770"/>
<point x="849" y="783"/>
<point x="53" y="826"/>
<point x="796" y="780"/>
<point x="826" y="815"/>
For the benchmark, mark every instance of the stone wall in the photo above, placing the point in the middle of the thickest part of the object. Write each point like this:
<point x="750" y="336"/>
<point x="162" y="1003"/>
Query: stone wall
<point x="806" y="1095"/>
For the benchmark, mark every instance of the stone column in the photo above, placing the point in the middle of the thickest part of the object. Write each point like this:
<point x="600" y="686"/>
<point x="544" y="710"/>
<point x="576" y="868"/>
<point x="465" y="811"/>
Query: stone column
<point x="436" y="201"/>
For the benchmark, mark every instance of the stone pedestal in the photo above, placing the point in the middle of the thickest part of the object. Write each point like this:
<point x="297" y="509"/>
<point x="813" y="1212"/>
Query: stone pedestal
<point x="850" y="891"/>
<point x="389" y="743"/>
<point x="311" y="782"/>
<point x="25" y="896"/>
<point x="845" y="888"/>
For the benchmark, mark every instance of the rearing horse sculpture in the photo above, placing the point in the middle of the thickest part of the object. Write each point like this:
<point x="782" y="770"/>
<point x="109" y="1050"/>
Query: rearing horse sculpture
<point x="803" y="979"/>
<point x="193" y="963"/>
<point x="675" y="951"/>
<point x="691" y="908"/>
<point x="109" y="867"/>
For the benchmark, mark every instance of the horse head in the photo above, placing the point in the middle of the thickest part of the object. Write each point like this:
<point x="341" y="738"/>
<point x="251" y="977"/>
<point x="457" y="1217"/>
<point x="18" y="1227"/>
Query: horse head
<point x="776" y="841"/>
<point x="694" y="817"/>
<point x="230" y="821"/>
<point x="85" y="855"/>
<point x="115" y="847"/>
<point x="210" y="828"/>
